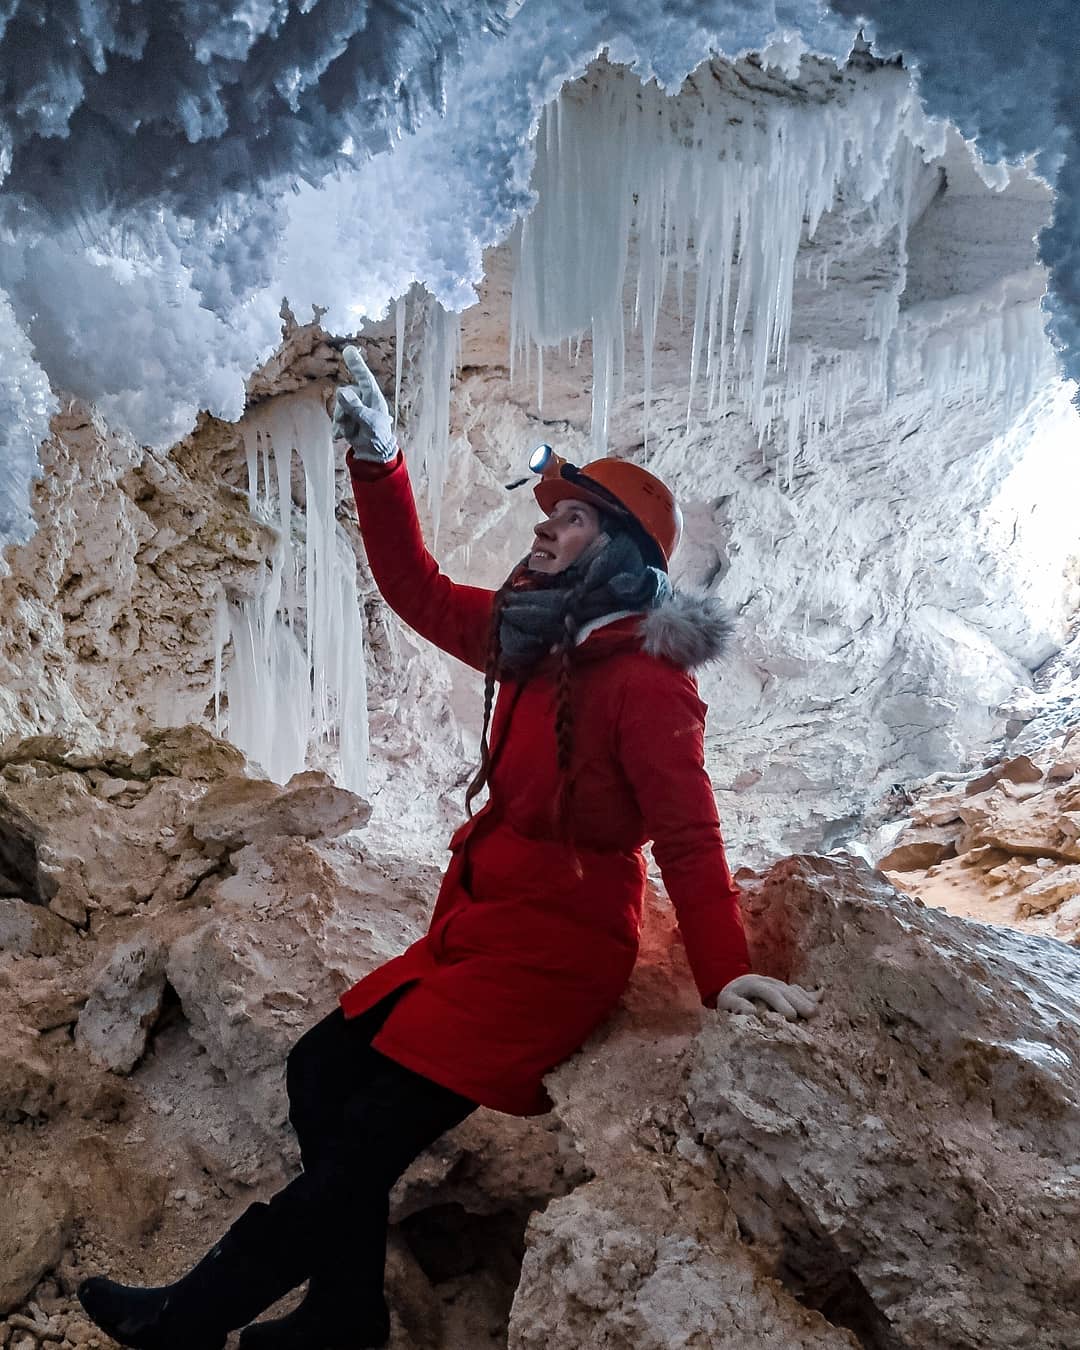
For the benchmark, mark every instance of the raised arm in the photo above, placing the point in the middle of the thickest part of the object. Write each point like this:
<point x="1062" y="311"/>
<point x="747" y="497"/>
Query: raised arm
<point x="661" y="737"/>
<point x="456" y="618"/>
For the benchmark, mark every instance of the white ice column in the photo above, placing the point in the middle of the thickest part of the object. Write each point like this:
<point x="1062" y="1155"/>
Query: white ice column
<point x="296" y="683"/>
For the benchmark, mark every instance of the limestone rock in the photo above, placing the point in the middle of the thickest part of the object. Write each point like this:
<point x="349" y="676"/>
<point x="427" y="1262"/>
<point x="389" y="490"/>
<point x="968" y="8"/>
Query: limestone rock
<point x="242" y="811"/>
<point x="292" y="926"/>
<point x="189" y="752"/>
<point x="920" y="848"/>
<point x="1048" y="891"/>
<point x="19" y="841"/>
<point x="1021" y="770"/>
<point x="99" y="854"/>
<point x="1016" y="844"/>
<point x="29" y="930"/>
<point x="27" y="1076"/>
<point x="34" y="1223"/>
<point x="652" y="1262"/>
<point x="123" y="1005"/>
<point x="912" y="1148"/>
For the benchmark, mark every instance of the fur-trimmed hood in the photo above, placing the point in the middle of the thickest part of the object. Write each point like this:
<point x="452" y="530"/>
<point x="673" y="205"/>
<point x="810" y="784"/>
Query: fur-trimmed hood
<point x="689" y="629"/>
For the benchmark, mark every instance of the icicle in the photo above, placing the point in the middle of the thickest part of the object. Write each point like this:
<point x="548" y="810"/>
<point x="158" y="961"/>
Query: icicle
<point x="251" y="454"/>
<point x="739" y="192"/>
<point x="428" y="442"/>
<point x="288" y="697"/>
<point x="399" y="350"/>
<point x="221" y="638"/>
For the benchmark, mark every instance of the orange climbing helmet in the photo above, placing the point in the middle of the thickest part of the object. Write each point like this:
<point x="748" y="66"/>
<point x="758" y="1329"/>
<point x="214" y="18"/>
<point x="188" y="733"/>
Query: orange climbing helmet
<point x="617" y="487"/>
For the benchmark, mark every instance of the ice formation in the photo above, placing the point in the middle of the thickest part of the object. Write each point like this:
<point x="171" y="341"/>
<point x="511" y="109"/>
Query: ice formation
<point x="150" y="154"/>
<point x="296" y="684"/>
<point x="713" y="194"/>
<point x="170" y="172"/>
<point x="1005" y="74"/>
<point x="427" y="446"/>
<point x="26" y="404"/>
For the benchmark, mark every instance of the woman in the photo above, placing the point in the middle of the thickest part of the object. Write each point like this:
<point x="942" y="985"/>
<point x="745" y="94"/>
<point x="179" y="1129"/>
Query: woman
<point x="595" y="747"/>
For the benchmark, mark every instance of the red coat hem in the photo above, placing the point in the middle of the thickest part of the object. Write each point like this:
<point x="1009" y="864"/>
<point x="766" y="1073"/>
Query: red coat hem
<point x="508" y="1103"/>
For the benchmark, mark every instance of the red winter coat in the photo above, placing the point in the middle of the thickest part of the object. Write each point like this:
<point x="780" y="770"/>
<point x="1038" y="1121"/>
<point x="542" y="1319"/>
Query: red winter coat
<point x="526" y="954"/>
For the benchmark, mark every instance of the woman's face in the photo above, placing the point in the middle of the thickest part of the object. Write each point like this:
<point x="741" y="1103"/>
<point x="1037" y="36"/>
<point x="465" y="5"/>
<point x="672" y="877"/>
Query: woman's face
<point x="563" y="536"/>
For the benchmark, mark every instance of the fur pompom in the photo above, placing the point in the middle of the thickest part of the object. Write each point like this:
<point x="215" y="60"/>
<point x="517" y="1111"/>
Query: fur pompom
<point x="690" y="630"/>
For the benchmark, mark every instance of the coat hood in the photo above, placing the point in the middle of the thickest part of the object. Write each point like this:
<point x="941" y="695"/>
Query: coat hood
<point x="688" y="629"/>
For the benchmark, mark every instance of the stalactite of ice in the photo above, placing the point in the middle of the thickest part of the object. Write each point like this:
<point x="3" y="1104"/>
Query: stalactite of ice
<point x="1001" y="350"/>
<point x="296" y="684"/>
<point x="427" y="444"/>
<point x="26" y="404"/>
<point x="725" y="190"/>
<point x="399" y="351"/>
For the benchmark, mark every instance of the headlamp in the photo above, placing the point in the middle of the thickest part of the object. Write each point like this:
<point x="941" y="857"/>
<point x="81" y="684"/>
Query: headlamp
<point x="543" y="461"/>
<point x="541" y="458"/>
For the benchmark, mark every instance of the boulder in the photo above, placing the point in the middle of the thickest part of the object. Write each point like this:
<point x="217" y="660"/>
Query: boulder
<point x="242" y="811"/>
<point x="28" y="1085"/>
<point x="902" y="1164"/>
<point x="1055" y="886"/>
<point x="920" y="848"/>
<point x="123" y="1006"/>
<point x="1022" y="769"/>
<point x="652" y="1260"/>
<point x="913" y="1147"/>
<point x="35" y="1220"/>
<point x="29" y="930"/>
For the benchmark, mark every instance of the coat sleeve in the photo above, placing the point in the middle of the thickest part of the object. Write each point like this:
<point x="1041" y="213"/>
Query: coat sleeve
<point x="661" y="745"/>
<point x="453" y="617"/>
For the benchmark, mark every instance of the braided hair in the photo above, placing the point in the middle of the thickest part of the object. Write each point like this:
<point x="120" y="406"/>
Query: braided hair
<point x="564" y="710"/>
<point x="491" y="665"/>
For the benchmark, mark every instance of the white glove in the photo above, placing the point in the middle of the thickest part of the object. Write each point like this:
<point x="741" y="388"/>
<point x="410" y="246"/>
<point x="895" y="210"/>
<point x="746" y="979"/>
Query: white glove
<point x="361" y="416"/>
<point x="790" y="999"/>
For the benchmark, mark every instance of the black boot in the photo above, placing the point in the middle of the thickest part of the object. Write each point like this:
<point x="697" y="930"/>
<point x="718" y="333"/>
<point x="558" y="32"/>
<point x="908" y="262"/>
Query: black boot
<point x="323" y="1321"/>
<point x="239" y="1277"/>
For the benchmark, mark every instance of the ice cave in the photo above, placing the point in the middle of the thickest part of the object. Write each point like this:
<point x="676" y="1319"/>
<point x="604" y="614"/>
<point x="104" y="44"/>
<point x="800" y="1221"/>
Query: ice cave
<point x="815" y="266"/>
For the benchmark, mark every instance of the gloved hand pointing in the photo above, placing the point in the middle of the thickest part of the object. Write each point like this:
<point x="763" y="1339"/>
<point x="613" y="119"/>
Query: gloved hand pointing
<point x="790" y="999"/>
<point x="361" y="416"/>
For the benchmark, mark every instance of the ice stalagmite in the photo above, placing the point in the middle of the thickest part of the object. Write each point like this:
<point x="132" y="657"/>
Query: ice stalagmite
<point x="296" y="683"/>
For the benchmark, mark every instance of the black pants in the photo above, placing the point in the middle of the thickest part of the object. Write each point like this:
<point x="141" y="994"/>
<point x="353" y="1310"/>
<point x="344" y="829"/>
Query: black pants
<point x="360" y="1119"/>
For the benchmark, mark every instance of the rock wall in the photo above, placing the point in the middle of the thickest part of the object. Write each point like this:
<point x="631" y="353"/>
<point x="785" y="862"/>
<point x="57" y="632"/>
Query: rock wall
<point x="895" y="1174"/>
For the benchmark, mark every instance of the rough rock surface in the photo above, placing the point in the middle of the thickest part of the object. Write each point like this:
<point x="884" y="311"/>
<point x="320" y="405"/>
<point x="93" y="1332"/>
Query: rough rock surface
<point x="1002" y="846"/>
<point x="896" y="1174"/>
<point x="904" y="1163"/>
<point x="34" y="1227"/>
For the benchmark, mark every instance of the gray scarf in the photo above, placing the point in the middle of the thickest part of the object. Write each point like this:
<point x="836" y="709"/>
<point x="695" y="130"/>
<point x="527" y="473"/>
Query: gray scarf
<point x="541" y="612"/>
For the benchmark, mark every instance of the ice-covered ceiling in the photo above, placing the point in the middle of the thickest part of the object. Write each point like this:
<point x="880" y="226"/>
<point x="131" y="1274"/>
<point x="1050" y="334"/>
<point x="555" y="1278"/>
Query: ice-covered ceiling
<point x="171" y="169"/>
